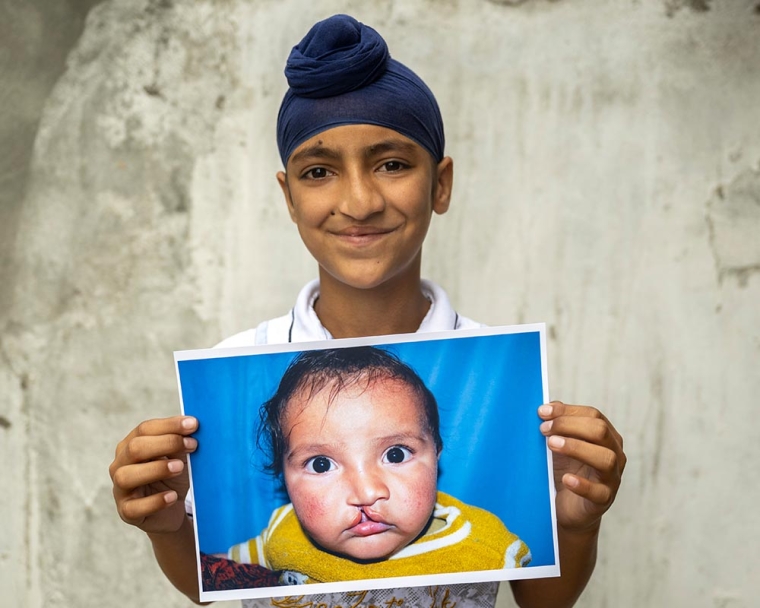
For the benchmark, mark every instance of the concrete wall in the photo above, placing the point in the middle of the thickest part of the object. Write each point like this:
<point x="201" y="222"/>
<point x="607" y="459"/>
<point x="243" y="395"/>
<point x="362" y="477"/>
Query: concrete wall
<point x="607" y="182"/>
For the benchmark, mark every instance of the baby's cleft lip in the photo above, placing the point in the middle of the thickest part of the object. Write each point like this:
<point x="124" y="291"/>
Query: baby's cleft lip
<point x="368" y="524"/>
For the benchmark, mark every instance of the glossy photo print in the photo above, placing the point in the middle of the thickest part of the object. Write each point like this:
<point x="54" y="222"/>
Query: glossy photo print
<point x="370" y="463"/>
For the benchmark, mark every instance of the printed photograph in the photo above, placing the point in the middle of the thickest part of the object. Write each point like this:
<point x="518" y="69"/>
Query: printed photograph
<point x="404" y="460"/>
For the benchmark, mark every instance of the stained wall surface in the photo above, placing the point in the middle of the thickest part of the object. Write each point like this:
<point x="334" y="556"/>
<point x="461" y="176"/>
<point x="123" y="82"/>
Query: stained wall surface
<point x="607" y="182"/>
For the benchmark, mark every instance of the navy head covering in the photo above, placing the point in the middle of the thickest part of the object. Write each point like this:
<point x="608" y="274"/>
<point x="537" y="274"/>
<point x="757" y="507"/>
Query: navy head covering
<point x="340" y="74"/>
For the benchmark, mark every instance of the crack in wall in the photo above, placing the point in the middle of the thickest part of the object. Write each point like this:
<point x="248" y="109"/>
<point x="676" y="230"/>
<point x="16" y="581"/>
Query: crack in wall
<point x="696" y="6"/>
<point x="514" y="2"/>
<point x="671" y="6"/>
<point x="660" y="423"/>
<point x="24" y="428"/>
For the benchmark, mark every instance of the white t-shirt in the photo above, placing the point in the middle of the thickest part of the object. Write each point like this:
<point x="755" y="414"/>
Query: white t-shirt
<point x="301" y="324"/>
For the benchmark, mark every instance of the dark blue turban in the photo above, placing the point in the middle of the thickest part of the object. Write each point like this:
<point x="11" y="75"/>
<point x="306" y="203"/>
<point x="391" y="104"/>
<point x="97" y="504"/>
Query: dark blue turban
<point x="340" y="74"/>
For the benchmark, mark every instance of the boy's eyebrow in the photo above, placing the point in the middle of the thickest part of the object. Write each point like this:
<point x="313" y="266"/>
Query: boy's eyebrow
<point x="316" y="151"/>
<point x="391" y="145"/>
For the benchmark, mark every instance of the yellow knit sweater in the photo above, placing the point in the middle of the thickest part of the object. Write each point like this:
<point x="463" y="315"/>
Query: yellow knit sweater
<point x="470" y="539"/>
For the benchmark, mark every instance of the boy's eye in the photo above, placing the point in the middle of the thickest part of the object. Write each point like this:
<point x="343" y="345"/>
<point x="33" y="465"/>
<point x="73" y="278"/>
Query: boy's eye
<point x="392" y="166"/>
<point x="316" y="173"/>
<point x="319" y="464"/>
<point x="397" y="454"/>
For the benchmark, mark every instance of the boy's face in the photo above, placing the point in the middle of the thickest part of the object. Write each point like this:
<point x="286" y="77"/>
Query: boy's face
<point x="361" y="469"/>
<point x="362" y="197"/>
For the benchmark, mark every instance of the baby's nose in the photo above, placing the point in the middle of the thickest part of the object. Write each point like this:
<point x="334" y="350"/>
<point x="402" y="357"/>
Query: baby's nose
<point x="367" y="488"/>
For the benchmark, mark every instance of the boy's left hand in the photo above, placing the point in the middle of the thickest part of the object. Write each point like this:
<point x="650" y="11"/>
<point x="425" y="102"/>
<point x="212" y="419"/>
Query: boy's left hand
<point x="588" y="462"/>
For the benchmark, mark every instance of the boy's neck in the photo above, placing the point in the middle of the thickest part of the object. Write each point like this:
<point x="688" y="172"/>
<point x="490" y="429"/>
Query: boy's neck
<point x="395" y="307"/>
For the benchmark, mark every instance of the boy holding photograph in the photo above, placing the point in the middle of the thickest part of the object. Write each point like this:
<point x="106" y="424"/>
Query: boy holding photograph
<point x="354" y="433"/>
<point x="361" y="138"/>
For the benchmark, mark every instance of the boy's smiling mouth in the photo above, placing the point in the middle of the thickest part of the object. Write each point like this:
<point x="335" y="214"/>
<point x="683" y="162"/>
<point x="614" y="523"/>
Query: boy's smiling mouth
<point x="362" y="234"/>
<point x="368" y="524"/>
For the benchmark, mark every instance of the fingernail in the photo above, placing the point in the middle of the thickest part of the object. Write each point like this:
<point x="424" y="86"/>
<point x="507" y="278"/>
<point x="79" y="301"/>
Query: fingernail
<point x="190" y="443"/>
<point x="175" y="466"/>
<point x="570" y="481"/>
<point x="556" y="442"/>
<point x="170" y="497"/>
<point x="546" y="426"/>
<point x="545" y="410"/>
<point x="189" y="423"/>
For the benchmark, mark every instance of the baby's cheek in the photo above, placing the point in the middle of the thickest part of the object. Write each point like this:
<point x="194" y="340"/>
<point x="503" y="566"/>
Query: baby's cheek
<point x="422" y="497"/>
<point x="311" y="509"/>
<point x="313" y="506"/>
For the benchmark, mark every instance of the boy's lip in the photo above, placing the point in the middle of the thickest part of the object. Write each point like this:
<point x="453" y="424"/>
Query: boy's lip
<point x="360" y="233"/>
<point x="368" y="523"/>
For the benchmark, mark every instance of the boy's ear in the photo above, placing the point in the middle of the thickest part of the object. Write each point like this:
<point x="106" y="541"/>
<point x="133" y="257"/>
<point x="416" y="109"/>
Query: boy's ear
<point x="282" y="179"/>
<point x="444" y="181"/>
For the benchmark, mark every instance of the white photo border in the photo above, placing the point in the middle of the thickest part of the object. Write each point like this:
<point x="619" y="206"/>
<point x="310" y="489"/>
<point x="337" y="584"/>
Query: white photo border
<point x="391" y="582"/>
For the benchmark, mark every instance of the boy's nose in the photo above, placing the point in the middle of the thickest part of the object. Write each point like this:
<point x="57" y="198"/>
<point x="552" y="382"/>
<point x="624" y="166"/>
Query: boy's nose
<point x="360" y="199"/>
<point x="367" y="488"/>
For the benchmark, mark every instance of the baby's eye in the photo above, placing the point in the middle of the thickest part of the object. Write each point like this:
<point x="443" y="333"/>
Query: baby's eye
<point x="319" y="464"/>
<point x="397" y="454"/>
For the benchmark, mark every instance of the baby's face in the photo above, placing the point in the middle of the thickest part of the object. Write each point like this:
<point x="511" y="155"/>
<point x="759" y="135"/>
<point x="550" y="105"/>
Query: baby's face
<point x="361" y="470"/>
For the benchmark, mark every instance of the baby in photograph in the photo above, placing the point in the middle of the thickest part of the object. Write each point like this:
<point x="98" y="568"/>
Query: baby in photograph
<point x="354" y="433"/>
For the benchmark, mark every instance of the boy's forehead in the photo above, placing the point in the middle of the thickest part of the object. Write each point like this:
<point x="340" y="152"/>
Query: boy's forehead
<point x="364" y="139"/>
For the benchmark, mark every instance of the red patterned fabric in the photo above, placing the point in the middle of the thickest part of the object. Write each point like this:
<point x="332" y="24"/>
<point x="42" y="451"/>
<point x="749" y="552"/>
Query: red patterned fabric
<point x="220" y="574"/>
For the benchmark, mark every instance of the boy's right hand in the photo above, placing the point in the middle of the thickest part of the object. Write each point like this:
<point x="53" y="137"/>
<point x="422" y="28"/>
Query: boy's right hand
<point x="149" y="473"/>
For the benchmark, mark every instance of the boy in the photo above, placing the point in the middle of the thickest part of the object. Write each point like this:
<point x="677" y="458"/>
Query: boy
<point x="361" y="138"/>
<point x="354" y="432"/>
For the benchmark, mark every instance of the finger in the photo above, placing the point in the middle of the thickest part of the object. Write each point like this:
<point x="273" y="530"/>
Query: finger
<point x="592" y="430"/>
<point x="603" y="460"/>
<point x="557" y="409"/>
<point x="135" y="510"/>
<point x="145" y="449"/>
<point x="127" y="478"/>
<point x="598" y="493"/>
<point x="181" y="425"/>
<point x="175" y="425"/>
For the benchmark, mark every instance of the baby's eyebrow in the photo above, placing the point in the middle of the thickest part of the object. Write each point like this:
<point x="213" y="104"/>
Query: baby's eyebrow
<point x="401" y="438"/>
<point x="312" y="449"/>
<point x="316" y="449"/>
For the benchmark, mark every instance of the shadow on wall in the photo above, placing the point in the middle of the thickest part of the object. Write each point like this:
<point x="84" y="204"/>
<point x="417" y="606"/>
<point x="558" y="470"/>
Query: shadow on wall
<point x="36" y="39"/>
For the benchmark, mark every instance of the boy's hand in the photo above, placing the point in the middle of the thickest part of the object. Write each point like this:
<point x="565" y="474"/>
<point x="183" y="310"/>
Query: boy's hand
<point x="588" y="462"/>
<point x="149" y="474"/>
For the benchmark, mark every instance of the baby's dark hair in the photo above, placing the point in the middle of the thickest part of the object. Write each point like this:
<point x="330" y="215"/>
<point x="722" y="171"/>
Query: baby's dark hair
<point x="313" y="370"/>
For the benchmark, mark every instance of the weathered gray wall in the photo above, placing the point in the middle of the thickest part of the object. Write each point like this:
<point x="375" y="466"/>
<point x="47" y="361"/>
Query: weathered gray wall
<point x="608" y="183"/>
<point x="35" y="37"/>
